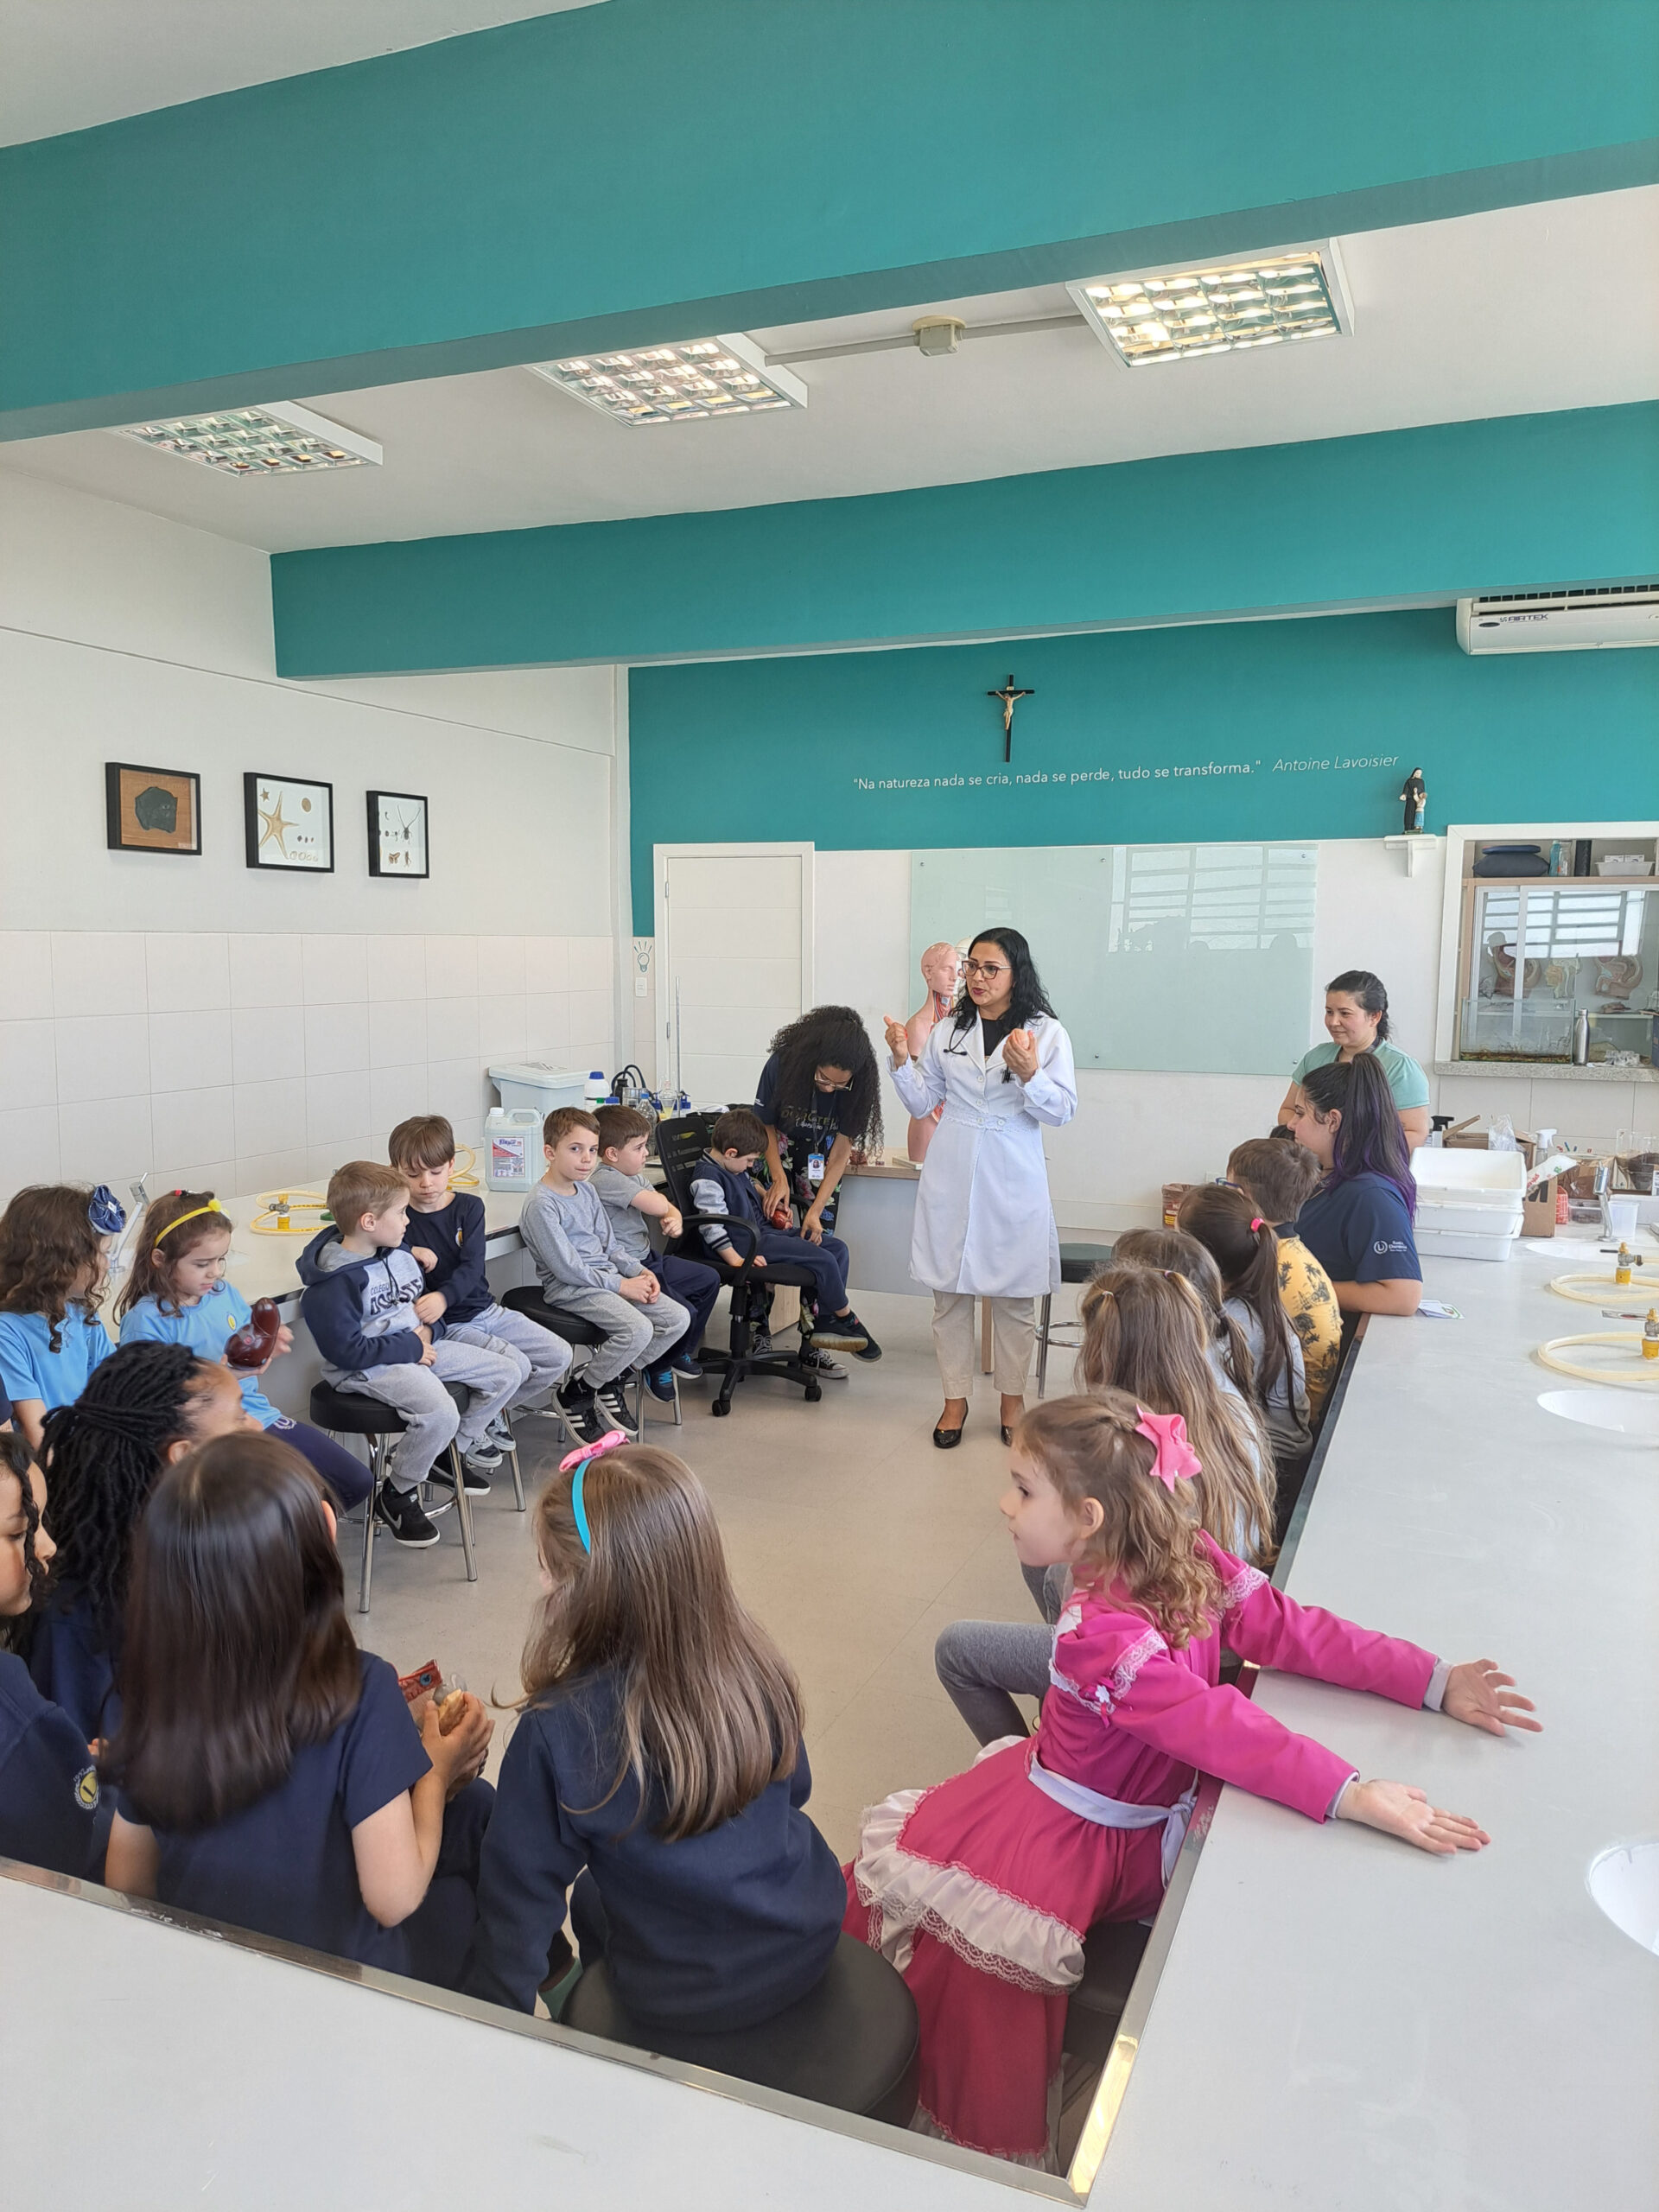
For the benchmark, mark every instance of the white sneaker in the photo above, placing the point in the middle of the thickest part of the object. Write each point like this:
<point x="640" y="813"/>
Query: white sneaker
<point x="499" y="1431"/>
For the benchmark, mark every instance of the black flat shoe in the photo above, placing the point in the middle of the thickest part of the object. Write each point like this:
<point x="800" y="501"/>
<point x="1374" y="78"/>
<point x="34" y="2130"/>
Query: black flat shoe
<point x="1008" y="1436"/>
<point x="946" y="1439"/>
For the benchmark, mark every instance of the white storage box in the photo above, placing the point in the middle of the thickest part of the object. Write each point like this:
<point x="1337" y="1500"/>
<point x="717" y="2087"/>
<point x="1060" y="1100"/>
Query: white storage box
<point x="533" y="1083"/>
<point x="1451" y="1244"/>
<point x="1470" y="1204"/>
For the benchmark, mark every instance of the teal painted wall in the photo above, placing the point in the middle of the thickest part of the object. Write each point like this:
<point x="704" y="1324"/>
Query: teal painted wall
<point x="649" y="170"/>
<point x="1457" y="507"/>
<point x="1135" y="737"/>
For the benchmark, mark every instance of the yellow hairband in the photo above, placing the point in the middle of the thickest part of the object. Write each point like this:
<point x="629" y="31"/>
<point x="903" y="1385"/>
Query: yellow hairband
<point x="212" y="1206"/>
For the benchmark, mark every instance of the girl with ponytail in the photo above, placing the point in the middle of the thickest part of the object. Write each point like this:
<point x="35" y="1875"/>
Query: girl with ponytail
<point x="1357" y="1224"/>
<point x="1245" y="1249"/>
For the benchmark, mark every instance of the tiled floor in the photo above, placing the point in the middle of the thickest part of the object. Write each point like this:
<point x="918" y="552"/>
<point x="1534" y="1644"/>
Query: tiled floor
<point x="848" y="1535"/>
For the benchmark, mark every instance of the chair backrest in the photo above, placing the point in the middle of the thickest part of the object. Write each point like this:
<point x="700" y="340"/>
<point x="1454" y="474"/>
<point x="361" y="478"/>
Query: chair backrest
<point x="681" y="1142"/>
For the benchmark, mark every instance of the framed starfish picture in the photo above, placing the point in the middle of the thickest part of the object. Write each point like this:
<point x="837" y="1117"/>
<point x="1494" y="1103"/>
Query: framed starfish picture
<point x="289" y="823"/>
<point x="398" y="835"/>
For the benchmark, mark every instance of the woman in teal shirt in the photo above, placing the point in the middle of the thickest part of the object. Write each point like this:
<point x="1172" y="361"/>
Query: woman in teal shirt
<point x="1356" y="1017"/>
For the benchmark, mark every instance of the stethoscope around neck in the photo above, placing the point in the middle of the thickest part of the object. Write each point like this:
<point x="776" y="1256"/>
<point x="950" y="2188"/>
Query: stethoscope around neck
<point x="958" y="1051"/>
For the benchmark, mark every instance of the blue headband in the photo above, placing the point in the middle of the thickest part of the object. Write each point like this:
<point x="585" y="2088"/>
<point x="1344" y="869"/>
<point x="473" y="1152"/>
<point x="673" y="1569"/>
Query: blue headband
<point x="579" y="1510"/>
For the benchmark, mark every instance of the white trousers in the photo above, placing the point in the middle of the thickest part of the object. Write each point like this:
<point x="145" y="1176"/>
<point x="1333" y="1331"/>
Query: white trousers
<point x="1013" y="1334"/>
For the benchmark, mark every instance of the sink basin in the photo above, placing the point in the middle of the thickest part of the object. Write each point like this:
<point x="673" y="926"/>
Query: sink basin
<point x="1620" y="1413"/>
<point x="1625" y="1882"/>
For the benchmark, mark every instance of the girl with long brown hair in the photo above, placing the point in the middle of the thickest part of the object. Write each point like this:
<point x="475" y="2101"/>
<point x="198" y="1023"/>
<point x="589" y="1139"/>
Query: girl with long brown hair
<point x="981" y="1890"/>
<point x="659" y="1748"/>
<point x="55" y="1240"/>
<point x="1147" y="1332"/>
<point x="1244" y="1247"/>
<point x="268" y="1772"/>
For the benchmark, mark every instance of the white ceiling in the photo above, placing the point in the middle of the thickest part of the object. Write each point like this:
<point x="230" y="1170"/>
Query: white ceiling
<point x="1528" y="309"/>
<point x="73" y="63"/>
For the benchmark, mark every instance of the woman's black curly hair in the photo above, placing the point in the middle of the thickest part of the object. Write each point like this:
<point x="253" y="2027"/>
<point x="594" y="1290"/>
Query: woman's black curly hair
<point x="102" y="1456"/>
<point x="830" y="1037"/>
<point x="17" y="1458"/>
<point x="1029" y="997"/>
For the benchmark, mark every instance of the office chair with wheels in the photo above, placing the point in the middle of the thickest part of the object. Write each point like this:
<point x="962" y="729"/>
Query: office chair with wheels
<point x="681" y="1142"/>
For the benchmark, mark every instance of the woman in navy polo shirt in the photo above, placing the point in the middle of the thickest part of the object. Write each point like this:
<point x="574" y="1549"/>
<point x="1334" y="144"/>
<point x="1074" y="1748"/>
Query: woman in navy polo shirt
<point x="1357" y="1222"/>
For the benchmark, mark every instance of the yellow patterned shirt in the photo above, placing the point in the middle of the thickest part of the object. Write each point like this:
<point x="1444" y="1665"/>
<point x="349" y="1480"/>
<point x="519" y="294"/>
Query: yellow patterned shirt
<point x="1311" y="1308"/>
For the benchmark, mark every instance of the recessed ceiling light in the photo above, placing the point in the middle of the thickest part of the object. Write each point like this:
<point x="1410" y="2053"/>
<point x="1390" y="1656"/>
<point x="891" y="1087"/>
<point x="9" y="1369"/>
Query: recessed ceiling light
<point x="1222" y="306"/>
<point x="271" y="440"/>
<point x="684" y="383"/>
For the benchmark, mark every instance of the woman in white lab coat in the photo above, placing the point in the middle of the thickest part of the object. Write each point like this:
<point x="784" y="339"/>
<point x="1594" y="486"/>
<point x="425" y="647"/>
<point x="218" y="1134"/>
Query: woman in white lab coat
<point x="1001" y="1065"/>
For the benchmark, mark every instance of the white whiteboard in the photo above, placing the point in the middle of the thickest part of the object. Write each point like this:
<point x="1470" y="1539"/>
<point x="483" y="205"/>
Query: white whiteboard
<point x="1186" y="959"/>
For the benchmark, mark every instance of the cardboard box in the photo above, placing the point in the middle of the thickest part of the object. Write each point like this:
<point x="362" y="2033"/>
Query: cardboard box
<point x="1538" y="1216"/>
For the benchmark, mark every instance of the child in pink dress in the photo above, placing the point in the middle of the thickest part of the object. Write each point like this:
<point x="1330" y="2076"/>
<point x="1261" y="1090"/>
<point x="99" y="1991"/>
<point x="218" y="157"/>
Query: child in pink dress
<point x="981" y="1890"/>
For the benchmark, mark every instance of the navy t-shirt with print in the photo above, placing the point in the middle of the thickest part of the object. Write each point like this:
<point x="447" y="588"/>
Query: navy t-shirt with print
<point x="50" y="1814"/>
<point x="1359" y="1230"/>
<point x="284" y="1866"/>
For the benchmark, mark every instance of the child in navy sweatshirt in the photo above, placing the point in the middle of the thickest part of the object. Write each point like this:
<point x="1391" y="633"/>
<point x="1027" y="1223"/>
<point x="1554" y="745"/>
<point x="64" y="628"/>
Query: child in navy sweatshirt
<point x="698" y="1876"/>
<point x="446" y="1234"/>
<point x="359" y="1303"/>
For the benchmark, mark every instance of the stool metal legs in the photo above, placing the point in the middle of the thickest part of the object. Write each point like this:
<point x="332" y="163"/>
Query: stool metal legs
<point x="1042" y="1343"/>
<point x="511" y="1450"/>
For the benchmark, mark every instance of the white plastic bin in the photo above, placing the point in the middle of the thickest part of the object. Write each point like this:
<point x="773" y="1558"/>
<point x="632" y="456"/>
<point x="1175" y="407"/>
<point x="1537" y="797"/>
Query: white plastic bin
<point x="1470" y="1204"/>
<point x="535" y="1083"/>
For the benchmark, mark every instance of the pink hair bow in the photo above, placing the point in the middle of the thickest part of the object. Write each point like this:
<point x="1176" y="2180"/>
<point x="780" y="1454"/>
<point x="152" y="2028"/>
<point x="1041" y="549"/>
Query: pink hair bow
<point x="608" y="1442"/>
<point x="1176" y="1461"/>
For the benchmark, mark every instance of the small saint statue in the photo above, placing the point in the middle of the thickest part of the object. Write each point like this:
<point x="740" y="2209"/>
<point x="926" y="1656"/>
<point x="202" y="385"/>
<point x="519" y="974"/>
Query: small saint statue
<point x="941" y="972"/>
<point x="1414" y="798"/>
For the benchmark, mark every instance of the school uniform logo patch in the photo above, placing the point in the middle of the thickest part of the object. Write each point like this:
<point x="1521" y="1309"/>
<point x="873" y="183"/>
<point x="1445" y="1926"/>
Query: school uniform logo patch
<point x="86" y="1789"/>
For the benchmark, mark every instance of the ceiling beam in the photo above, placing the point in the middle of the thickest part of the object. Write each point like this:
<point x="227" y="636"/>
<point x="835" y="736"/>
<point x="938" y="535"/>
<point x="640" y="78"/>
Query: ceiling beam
<point x="649" y="170"/>
<point x="1396" y="517"/>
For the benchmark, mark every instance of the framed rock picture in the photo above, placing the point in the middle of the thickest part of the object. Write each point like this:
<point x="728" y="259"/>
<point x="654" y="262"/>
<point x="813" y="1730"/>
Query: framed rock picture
<point x="151" y="810"/>
<point x="289" y="823"/>
<point x="398" y="835"/>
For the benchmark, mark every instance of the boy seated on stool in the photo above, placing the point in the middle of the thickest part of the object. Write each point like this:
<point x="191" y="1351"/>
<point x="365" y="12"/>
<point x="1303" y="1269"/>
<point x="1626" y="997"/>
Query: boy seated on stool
<point x="446" y="1236"/>
<point x="568" y="1233"/>
<point x="359" y="1303"/>
<point x="632" y="1205"/>
<point x="721" y="1183"/>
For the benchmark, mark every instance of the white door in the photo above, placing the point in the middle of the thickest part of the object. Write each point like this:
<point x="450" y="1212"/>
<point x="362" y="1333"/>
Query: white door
<point x="733" y="962"/>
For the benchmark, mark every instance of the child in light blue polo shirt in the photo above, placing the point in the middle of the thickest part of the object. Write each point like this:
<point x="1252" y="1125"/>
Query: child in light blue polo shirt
<point x="54" y="1259"/>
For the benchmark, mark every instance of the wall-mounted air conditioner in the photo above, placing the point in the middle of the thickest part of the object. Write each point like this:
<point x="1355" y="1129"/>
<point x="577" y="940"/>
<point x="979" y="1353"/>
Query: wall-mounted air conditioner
<point x="1564" y="621"/>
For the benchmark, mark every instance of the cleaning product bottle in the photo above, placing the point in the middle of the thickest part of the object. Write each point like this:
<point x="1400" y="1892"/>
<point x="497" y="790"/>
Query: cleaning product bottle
<point x="511" y="1147"/>
<point x="1651" y="1334"/>
<point x="595" y="1091"/>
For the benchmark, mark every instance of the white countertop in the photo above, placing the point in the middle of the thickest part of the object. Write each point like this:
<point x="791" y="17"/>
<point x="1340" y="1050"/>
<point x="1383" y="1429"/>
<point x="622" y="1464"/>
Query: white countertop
<point x="1343" y="2021"/>
<point x="262" y="1266"/>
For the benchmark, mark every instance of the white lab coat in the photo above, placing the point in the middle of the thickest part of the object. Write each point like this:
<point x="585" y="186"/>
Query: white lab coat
<point x="984" y="1221"/>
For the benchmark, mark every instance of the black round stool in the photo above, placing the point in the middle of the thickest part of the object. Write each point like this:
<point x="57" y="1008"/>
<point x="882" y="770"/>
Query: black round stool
<point x="353" y="1413"/>
<point x="853" y="2043"/>
<point x="534" y="1304"/>
<point x="1077" y="1263"/>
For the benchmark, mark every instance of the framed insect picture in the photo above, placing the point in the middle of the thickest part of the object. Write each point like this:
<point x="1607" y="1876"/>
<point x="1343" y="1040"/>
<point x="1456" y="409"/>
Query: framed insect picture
<point x="289" y="823"/>
<point x="151" y="810"/>
<point x="398" y="835"/>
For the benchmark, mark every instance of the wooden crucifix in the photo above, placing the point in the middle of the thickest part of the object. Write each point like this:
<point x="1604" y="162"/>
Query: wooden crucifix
<point x="1007" y="695"/>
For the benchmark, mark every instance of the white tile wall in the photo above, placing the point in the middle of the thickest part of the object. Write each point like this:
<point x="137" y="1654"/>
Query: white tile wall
<point x="234" y="1062"/>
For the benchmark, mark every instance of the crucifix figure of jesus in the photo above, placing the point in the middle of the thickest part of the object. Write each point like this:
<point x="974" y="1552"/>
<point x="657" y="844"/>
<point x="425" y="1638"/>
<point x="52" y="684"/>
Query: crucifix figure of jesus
<point x="1007" y="695"/>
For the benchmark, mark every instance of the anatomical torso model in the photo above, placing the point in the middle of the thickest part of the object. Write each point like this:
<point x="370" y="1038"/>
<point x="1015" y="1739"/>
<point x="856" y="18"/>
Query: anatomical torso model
<point x="941" y="970"/>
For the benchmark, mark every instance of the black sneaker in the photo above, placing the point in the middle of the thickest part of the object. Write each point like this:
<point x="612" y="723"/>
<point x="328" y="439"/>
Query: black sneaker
<point x="474" y="1478"/>
<point x="659" y="1380"/>
<point x="761" y="1344"/>
<point x="843" y="1332"/>
<point x="826" y="1369"/>
<point x="400" y="1512"/>
<point x="686" y="1364"/>
<point x="613" y="1407"/>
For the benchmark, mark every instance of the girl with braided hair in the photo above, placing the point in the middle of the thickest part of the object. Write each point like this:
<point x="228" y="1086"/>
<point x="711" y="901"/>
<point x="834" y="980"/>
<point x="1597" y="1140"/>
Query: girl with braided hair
<point x="145" y="1407"/>
<point x="50" y="1814"/>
